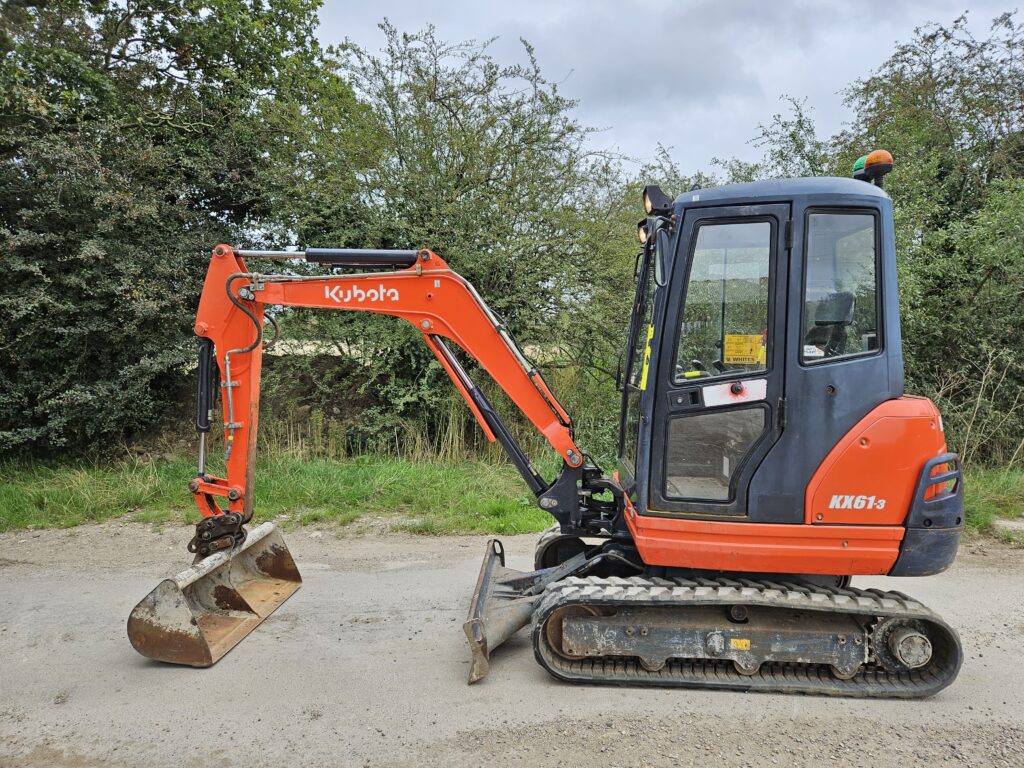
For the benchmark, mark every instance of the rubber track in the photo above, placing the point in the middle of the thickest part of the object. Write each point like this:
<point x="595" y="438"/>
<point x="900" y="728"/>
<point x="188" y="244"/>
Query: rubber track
<point x="873" y="681"/>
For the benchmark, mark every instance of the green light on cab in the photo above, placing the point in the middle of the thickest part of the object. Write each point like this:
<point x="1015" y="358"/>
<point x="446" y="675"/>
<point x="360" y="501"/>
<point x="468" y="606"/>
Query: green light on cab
<point x="859" y="165"/>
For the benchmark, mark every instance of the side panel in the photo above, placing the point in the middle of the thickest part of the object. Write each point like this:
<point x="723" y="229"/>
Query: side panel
<point x="870" y="476"/>
<point x="838" y="550"/>
<point x="858" y="509"/>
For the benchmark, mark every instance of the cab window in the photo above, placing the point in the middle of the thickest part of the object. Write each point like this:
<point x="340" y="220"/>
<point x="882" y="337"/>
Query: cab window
<point x="643" y="310"/>
<point x="840" y="313"/>
<point x="641" y="329"/>
<point x="724" y="328"/>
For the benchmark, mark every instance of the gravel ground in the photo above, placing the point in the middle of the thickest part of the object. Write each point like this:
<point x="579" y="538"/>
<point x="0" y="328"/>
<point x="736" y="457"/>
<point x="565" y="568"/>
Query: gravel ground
<point x="366" y="665"/>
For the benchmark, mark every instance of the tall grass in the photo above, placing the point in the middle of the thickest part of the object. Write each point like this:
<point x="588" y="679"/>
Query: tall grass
<point x="311" y="468"/>
<point x="433" y="497"/>
<point x="992" y="493"/>
<point x="299" y="423"/>
<point x="424" y="497"/>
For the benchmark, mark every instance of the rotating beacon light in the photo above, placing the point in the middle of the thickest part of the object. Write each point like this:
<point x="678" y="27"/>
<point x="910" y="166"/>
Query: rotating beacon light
<point x="873" y="167"/>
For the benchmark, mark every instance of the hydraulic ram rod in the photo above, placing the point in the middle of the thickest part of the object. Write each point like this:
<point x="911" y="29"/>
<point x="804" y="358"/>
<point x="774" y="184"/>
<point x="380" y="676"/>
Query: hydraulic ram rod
<point x="347" y="257"/>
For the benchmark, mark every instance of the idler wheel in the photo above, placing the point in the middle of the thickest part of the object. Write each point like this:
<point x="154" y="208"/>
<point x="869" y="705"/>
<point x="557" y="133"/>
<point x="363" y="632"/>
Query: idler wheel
<point x="902" y="645"/>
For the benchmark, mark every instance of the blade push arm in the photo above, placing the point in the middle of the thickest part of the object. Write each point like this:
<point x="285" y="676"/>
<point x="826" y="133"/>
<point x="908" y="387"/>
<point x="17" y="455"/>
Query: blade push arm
<point x="426" y="293"/>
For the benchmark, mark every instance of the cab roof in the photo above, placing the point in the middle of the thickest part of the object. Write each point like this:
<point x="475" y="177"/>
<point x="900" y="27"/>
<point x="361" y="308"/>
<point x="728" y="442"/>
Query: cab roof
<point x="781" y="190"/>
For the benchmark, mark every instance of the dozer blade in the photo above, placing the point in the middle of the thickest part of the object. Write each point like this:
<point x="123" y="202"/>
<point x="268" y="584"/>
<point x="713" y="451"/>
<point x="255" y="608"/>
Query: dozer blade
<point x="503" y="603"/>
<point x="203" y="612"/>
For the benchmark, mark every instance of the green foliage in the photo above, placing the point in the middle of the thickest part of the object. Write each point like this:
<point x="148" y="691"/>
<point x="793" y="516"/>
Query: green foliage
<point x="484" y="164"/>
<point x="972" y="310"/>
<point x="133" y="137"/>
<point x="791" y="147"/>
<point x="421" y="497"/>
<point x="415" y="496"/>
<point x="992" y="493"/>
<point x="949" y="108"/>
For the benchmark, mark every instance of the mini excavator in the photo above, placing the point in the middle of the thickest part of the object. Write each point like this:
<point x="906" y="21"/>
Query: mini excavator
<point x="767" y="454"/>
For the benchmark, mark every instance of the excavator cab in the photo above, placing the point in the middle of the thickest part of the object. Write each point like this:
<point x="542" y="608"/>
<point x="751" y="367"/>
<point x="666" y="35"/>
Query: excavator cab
<point x="760" y="348"/>
<point x="764" y="386"/>
<point x="765" y="438"/>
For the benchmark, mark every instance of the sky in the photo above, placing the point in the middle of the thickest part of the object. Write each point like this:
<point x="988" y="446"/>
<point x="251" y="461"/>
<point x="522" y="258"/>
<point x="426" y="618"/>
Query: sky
<point x="696" y="76"/>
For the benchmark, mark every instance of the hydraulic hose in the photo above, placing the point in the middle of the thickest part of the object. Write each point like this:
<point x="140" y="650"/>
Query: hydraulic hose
<point x="232" y="425"/>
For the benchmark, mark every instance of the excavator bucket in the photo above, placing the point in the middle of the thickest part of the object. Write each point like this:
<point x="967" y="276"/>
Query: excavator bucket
<point x="503" y="603"/>
<point x="203" y="612"/>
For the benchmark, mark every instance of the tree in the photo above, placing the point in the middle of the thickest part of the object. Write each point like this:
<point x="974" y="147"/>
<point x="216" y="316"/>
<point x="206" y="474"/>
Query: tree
<point x="133" y="137"/>
<point x="484" y="164"/>
<point x="950" y="108"/>
<point x="791" y="147"/>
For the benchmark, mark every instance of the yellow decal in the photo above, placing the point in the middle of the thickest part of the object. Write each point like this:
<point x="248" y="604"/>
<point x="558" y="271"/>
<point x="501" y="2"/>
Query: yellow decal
<point x="739" y="644"/>
<point x="647" y="358"/>
<point x="742" y="349"/>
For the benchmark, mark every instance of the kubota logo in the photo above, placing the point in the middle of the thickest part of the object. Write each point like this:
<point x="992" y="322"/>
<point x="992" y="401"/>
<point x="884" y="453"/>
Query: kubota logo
<point x="358" y="295"/>
<point x="840" y="501"/>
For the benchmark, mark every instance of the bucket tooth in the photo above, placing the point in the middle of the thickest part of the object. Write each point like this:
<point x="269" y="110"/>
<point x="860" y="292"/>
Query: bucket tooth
<point x="203" y="612"/>
<point x="503" y="603"/>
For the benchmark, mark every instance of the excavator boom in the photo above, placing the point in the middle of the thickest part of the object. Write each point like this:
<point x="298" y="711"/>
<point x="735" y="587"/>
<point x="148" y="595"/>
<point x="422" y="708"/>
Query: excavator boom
<point x="199" y="615"/>
<point x="439" y="303"/>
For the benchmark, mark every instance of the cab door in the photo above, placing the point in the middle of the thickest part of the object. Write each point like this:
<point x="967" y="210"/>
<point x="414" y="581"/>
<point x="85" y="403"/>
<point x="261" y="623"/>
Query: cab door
<point x="720" y="385"/>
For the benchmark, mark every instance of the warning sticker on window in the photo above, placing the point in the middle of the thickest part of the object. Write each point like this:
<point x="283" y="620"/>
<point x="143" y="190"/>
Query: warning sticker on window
<point x="812" y="351"/>
<point x="742" y="349"/>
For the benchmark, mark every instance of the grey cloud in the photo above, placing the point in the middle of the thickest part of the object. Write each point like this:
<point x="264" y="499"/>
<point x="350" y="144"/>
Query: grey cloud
<point x="698" y="76"/>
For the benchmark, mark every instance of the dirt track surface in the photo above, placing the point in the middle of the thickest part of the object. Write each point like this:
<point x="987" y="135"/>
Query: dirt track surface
<point x="366" y="665"/>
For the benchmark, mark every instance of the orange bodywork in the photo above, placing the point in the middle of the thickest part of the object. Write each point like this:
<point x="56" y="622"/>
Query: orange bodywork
<point x="429" y="295"/>
<point x="869" y="477"/>
<point x="841" y="550"/>
<point x="855" y="507"/>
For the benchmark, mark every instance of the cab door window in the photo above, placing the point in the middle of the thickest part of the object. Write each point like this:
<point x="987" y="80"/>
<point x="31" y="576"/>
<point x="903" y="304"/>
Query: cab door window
<point x="706" y="450"/>
<point x="724" y="328"/>
<point x="724" y="331"/>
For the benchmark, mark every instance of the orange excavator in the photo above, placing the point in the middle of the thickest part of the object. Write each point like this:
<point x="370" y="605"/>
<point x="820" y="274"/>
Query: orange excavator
<point x="767" y="455"/>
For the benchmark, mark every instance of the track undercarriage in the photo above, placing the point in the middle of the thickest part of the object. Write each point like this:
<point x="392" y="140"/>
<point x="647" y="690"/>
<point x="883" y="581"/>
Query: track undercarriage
<point x="599" y="618"/>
